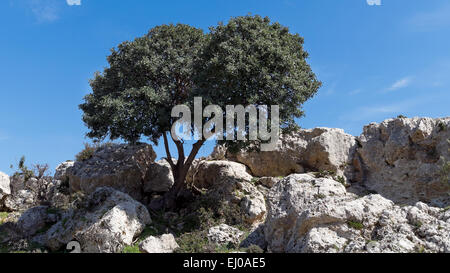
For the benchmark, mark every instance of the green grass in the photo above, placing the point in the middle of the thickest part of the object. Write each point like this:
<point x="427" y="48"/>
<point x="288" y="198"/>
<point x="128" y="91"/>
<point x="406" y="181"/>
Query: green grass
<point x="355" y="225"/>
<point x="3" y="216"/>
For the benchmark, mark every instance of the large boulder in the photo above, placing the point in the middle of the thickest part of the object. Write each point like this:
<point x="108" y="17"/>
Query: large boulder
<point x="319" y="149"/>
<point x="119" y="166"/>
<point x="5" y="188"/>
<point x="229" y="181"/>
<point x="209" y="173"/>
<point x="306" y="214"/>
<point x="162" y="244"/>
<point x="159" y="177"/>
<point x="107" y="222"/>
<point x="402" y="159"/>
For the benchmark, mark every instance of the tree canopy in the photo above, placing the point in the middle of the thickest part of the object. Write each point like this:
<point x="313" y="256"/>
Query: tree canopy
<point x="248" y="61"/>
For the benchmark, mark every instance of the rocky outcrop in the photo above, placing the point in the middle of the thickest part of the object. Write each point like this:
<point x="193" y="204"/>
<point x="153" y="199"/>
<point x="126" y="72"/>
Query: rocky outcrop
<point x="159" y="177"/>
<point x="119" y="166"/>
<point x="4" y="187"/>
<point x="402" y="159"/>
<point x="230" y="182"/>
<point x="63" y="170"/>
<point x="306" y="214"/>
<point x="209" y="173"/>
<point x="34" y="191"/>
<point x="224" y="234"/>
<point x="319" y="149"/>
<point x="162" y="244"/>
<point x="107" y="222"/>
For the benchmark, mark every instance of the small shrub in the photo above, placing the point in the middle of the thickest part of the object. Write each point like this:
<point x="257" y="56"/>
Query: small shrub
<point x="87" y="152"/>
<point x="401" y="116"/>
<point x="23" y="170"/>
<point x="320" y="196"/>
<point x="341" y="180"/>
<point x="194" y="242"/>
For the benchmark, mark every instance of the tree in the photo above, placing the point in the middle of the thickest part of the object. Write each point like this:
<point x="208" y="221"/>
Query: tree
<point x="247" y="61"/>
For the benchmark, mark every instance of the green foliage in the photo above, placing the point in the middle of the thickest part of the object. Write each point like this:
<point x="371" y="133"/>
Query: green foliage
<point x="194" y="242"/>
<point x="145" y="79"/>
<point x="248" y="61"/>
<point x="401" y="116"/>
<point x="251" y="61"/>
<point x="341" y="180"/>
<point x="87" y="152"/>
<point x="3" y="216"/>
<point x="355" y="225"/>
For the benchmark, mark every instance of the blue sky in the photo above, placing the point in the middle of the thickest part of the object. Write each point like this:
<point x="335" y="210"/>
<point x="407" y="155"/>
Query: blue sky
<point x="375" y="61"/>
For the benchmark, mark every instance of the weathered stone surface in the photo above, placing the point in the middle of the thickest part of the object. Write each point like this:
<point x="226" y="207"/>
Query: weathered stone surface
<point x="255" y="237"/>
<point x="224" y="234"/>
<point x="229" y="181"/>
<point x="107" y="222"/>
<point x="159" y="177"/>
<point x="4" y="187"/>
<point x="319" y="149"/>
<point x="62" y="170"/>
<point x="162" y="244"/>
<point x="119" y="166"/>
<point x="306" y="214"/>
<point x="269" y="182"/>
<point x="402" y="159"/>
<point x="35" y="191"/>
<point x="209" y="173"/>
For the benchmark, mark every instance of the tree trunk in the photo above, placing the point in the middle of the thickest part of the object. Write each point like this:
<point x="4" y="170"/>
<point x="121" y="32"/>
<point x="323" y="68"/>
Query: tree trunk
<point x="179" y="171"/>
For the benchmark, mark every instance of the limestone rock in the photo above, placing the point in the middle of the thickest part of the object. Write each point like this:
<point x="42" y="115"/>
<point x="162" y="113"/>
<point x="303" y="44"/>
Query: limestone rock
<point x="119" y="166"/>
<point x="402" y="159"/>
<point x="62" y="170"/>
<point x="208" y="173"/>
<point x="107" y="222"/>
<point x="4" y="186"/>
<point x="159" y="177"/>
<point x="224" y="234"/>
<point x="162" y="244"/>
<point x="319" y="149"/>
<point x="306" y="214"/>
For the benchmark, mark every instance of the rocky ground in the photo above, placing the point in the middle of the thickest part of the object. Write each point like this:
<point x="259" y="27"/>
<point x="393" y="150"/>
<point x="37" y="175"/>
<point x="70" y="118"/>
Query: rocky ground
<point x="320" y="190"/>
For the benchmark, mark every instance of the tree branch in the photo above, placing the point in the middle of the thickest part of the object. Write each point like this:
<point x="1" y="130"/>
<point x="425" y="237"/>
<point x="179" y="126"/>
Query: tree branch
<point x="169" y="156"/>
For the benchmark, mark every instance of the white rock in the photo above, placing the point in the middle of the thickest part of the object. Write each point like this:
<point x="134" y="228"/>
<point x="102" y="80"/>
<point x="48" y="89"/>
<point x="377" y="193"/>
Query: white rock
<point x="4" y="185"/>
<point x="319" y="149"/>
<point x="63" y="169"/>
<point x="108" y="222"/>
<point x="119" y="166"/>
<point x="224" y="234"/>
<point x="318" y="215"/>
<point x="159" y="177"/>
<point x="402" y="161"/>
<point x="162" y="244"/>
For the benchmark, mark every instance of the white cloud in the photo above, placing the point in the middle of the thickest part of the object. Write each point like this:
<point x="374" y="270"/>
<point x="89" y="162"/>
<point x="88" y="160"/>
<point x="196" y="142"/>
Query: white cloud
<point x="73" y="2"/>
<point x="374" y="2"/>
<point x="44" y="10"/>
<point x="402" y="83"/>
<point x="431" y="20"/>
